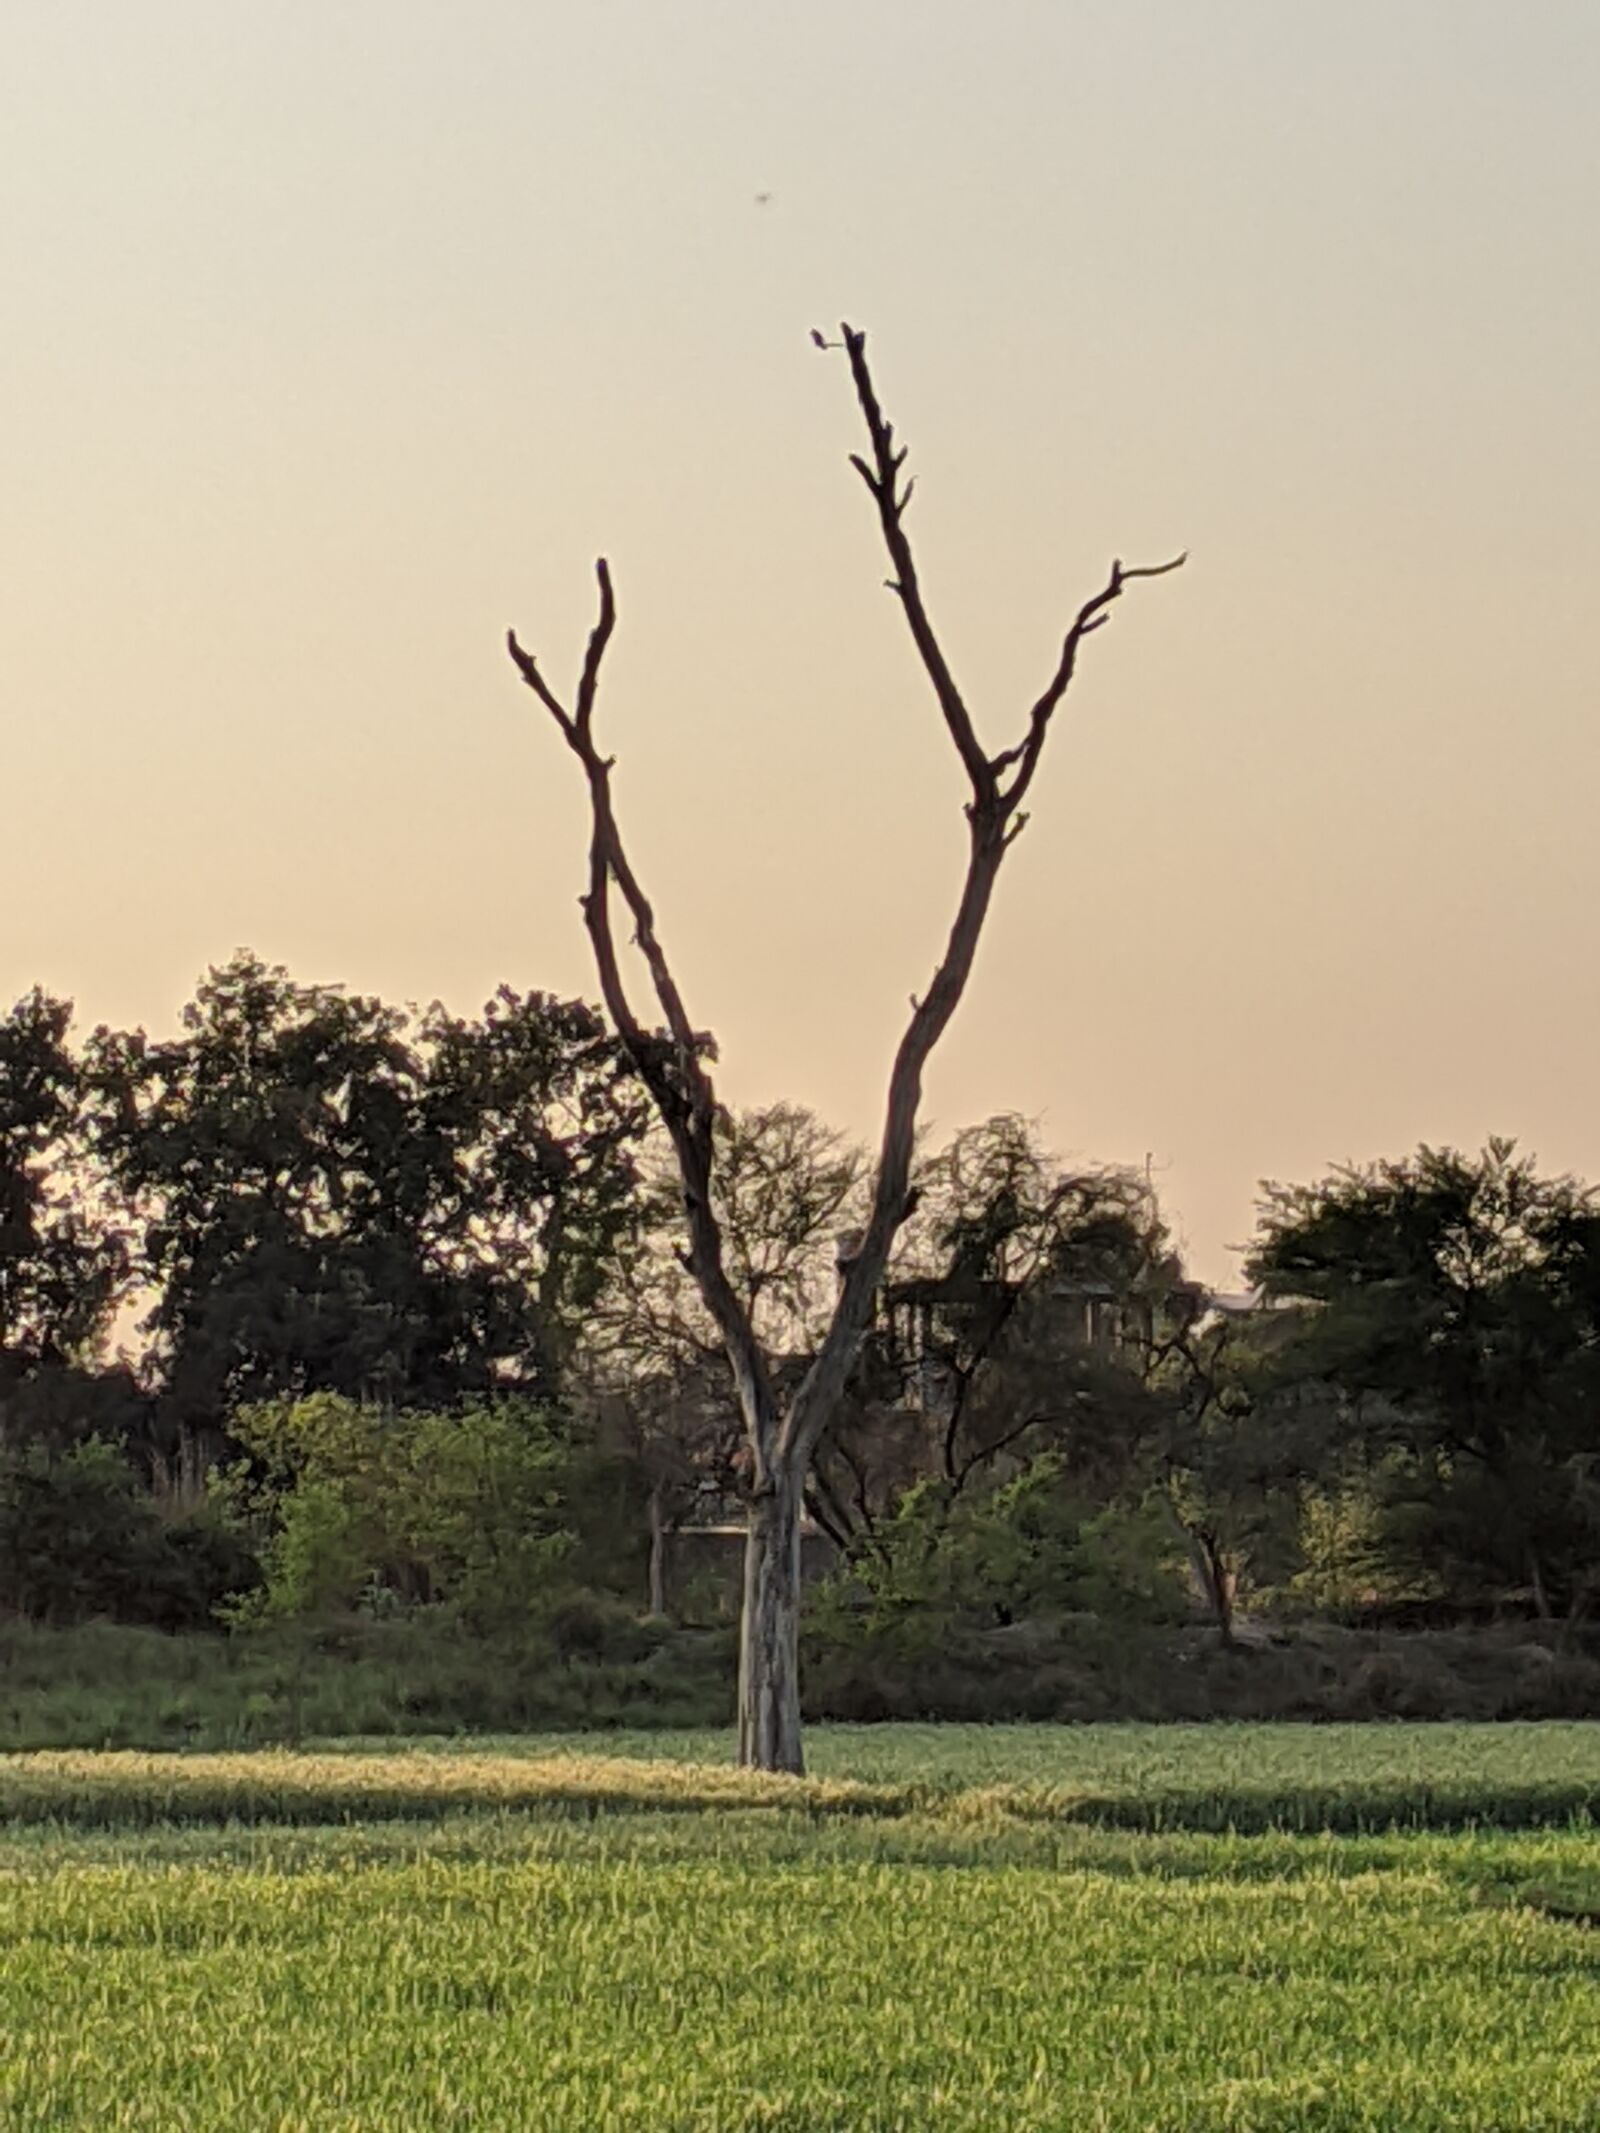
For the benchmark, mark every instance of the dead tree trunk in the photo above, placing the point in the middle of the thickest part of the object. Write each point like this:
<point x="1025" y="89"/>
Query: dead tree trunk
<point x="671" y="1062"/>
<point x="769" y="1642"/>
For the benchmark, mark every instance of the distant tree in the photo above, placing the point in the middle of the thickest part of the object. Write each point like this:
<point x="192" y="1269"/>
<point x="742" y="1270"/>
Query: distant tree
<point x="544" y="1125"/>
<point x="80" y="1536"/>
<point x="674" y="1427"/>
<point x="1022" y="1543"/>
<point x="1040" y="1289"/>
<point x="1042" y="1319"/>
<point x="790" y="1194"/>
<point x="783" y="1426"/>
<point x="1238" y="1446"/>
<point x="62" y="1261"/>
<point x="1015" y="1316"/>
<point x="1454" y="1301"/>
<point x="327" y="1198"/>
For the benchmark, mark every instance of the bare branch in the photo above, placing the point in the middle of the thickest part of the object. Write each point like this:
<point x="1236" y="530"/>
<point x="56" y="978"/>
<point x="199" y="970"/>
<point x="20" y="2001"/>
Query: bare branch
<point x="966" y="1468"/>
<point x="608" y="861"/>
<point x="1152" y="570"/>
<point x="672" y="1072"/>
<point x="1090" y="617"/>
<point x="599" y="638"/>
<point x="994" y="822"/>
<point x="824" y="1382"/>
<point x="881" y="473"/>
<point x="826" y="1511"/>
<point x="882" y="477"/>
<point x="527" y="667"/>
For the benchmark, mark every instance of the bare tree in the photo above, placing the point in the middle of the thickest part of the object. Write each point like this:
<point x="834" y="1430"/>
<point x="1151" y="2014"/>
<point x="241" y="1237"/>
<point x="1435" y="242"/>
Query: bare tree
<point x="783" y="1432"/>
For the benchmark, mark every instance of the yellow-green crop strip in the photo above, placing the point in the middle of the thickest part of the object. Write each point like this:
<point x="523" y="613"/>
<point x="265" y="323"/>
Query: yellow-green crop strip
<point x="946" y="1928"/>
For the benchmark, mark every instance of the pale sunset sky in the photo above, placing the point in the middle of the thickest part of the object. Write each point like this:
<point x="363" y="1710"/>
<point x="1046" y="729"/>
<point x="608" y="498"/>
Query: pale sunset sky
<point x="340" y="335"/>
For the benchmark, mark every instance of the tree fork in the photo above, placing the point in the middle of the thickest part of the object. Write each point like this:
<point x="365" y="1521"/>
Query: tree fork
<point x="671" y="1064"/>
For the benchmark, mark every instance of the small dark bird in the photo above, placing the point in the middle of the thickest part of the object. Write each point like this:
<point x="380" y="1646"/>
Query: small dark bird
<point x="820" y="339"/>
<point x="762" y="199"/>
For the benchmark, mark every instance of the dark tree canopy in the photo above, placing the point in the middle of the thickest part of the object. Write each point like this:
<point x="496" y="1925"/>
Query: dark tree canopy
<point x="329" y="1197"/>
<point x="1018" y="1317"/>
<point x="1455" y="1302"/>
<point x="60" y="1269"/>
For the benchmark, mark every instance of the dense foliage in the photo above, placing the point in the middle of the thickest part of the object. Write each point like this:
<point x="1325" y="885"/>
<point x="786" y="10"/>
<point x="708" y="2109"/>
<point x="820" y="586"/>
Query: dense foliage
<point x="412" y="1339"/>
<point x="1455" y="1305"/>
<point x="326" y="1194"/>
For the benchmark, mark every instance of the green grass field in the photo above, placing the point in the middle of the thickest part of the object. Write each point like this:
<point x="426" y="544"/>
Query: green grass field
<point x="983" y="1929"/>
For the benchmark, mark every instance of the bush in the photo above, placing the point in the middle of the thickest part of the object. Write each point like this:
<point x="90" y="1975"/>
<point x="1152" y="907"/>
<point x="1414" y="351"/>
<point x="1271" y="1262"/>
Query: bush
<point x="1021" y="1547"/>
<point x="594" y="1625"/>
<point x="79" y="1538"/>
<point x="361" y="1507"/>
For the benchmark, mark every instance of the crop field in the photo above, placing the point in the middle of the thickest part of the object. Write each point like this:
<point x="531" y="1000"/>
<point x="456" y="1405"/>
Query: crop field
<point x="978" y="1929"/>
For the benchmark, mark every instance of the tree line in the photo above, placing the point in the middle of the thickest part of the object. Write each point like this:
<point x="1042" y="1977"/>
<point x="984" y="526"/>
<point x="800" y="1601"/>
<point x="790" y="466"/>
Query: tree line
<point x="406" y="1327"/>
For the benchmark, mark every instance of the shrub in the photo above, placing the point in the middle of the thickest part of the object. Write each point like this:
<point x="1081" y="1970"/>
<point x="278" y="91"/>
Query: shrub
<point x="359" y="1505"/>
<point x="74" y="1534"/>
<point x="80" y="1537"/>
<point x="1023" y="1546"/>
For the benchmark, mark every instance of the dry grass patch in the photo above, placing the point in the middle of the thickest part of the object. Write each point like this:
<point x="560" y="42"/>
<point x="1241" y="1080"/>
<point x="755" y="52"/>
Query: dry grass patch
<point x="1154" y="1779"/>
<point x="123" y="1788"/>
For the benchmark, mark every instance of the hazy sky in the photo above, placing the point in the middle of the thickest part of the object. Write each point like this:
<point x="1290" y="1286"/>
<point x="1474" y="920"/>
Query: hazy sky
<point x="339" y="335"/>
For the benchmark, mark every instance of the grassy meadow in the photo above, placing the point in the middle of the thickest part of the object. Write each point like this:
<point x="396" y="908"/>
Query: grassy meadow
<point x="977" y="1928"/>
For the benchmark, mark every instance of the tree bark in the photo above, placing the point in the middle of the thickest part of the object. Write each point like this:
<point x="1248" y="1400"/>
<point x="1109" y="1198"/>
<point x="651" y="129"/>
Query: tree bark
<point x="658" y="1554"/>
<point x="1218" y="1582"/>
<point x="1208" y="1567"/>
<point x="769" y="1631"/>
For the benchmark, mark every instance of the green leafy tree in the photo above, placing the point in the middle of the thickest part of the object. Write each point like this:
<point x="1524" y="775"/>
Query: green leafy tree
<point x="62" y="1261"/>
<point x="1454" y="1302"/>
<point x="538" y="1125"/>
<point x="1239" y="1452"/>
<point x="59" y="1271"/>
<point x="329" y="1198"/>
<point x="469" y="1511"/>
